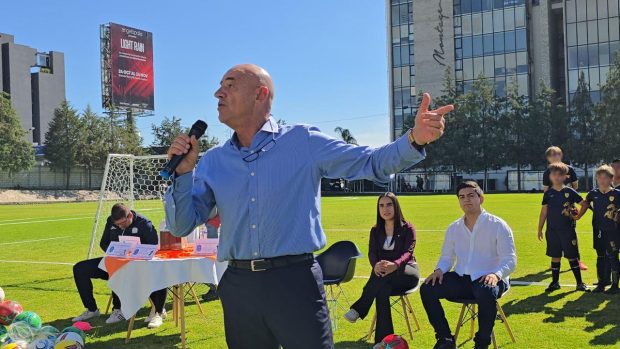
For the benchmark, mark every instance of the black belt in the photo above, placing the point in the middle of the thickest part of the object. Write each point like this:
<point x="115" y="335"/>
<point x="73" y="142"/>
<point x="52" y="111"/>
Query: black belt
<point x="269" y="263"/>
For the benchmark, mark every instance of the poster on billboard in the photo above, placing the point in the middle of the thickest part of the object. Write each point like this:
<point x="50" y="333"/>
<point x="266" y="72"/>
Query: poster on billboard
<point x="131" y="55"/>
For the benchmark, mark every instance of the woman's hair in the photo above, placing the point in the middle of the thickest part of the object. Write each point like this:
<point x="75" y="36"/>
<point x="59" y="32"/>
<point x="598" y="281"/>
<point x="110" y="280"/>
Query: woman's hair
<point x="399" y="219"/>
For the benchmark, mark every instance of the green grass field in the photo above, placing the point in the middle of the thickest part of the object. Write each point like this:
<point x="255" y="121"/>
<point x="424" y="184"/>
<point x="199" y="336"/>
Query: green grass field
<point x="33" y="235"/>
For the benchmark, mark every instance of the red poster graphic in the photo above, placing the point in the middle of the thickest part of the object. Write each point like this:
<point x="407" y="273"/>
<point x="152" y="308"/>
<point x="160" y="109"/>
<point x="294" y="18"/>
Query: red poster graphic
<point x="132" y="67"/>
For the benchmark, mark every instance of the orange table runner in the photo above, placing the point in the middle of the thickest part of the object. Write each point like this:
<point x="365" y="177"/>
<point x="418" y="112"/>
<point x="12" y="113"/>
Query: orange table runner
<point x="113" y="264"/>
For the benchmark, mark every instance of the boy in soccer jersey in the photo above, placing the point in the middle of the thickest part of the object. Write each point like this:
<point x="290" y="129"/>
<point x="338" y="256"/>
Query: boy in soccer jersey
<point x="604" y="202"/>
<point x="559" y="212"/>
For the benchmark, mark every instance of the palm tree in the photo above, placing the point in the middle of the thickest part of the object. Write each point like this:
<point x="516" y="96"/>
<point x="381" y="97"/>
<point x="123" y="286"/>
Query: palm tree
<point x="346" y="135"/>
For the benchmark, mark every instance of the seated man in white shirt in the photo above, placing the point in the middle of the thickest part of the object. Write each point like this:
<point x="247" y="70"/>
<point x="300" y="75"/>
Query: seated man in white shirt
<point x="483" y="248"/>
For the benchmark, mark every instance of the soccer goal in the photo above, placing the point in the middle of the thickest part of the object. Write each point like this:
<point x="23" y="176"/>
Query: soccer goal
<point x="135" y="181"/>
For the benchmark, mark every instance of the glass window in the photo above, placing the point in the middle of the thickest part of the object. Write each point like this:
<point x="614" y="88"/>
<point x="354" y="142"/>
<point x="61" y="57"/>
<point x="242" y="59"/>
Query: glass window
<point x="478" y="67"/>
<point x="591" y="5"/>
<point x="573" y="77"/>
<point x="405" y="74"/>
<point x="395" y="35"/>
<point x="614" y="49"/>
<point x="511" y="63"/>
<point x="404" y="54"/>
<point x="468" y="69"/>
<point x="500" y="65"/>
<point x="581" y="10"/>
<point x="498" y="39"/>
<point x="457" y="8"/>
<point x="602" y="8"/>
<point x="582" y="56"/>
<point x="465" y="6"/>
<point x="614" y="29"/>
<point x="489" y="66"/>
<point x="467" y="47"/>
<point x="498" y="20"/>
<point x="404" y="13"/>
<point x="592" y="32"/>
<point x="458" y="43"/>
<point x="459" y="75"/>
<point x="477" y="44"/>
<point x="395" y="17"/>
<point x="604" y="72"/>
<point x="487" y="22"/>
<point x="411" y="57"/>
<point x="487" y="5"/>
<point x="476" y="5"/>
<point x="487" y="41"/>
<point x="521" y="39"/>
<point x="572" y="58"/>
<point x="476" y="23"/>
<point x="458" y="53"/>
<point x="582" y="33"/>
<point x="593" y="55"/>
<point x="396" y="56"/>
<point x="594" y="79"/>
<point x="603" y="30"/>
<point x="603" y="53"/>
<point x="585" y="74"/>
<point x="500" y="87"/>
<point x="510" y="41"/>
<point x="571" y="34"/>
<point x="466" y="22"/>
<point x="410" y="32"/>
<point x="520" y="17"/>
<point x="509" y="18"/>
<point x="499" y="3"/>
<point x="523" y="85"/>
<point x="571" y="16"/>
<point x="613" y="8"/>
<point x="522" y="66"/>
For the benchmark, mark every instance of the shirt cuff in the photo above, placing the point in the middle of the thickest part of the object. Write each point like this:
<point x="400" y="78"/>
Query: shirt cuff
<point x="183" y="183"/>
<point x="407" y="149"/>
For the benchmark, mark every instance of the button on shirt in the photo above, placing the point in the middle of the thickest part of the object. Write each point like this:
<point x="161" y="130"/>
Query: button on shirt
<point x="270" y="206"/>
<point x="488" y="249"/>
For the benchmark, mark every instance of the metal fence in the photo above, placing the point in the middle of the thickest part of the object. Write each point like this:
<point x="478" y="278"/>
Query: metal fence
<point x="42" y="177"/>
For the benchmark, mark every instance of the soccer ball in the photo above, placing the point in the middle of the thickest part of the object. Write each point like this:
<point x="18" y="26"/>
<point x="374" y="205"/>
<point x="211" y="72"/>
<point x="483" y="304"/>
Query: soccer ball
<point x="31" y="318"/>
<point x="70" y="336"/>
<point x="16" y="345"/>
<point x="8" y="311"/>
<point x="20" y="330"/>
<point x="1" y="295"/>
<point x="392" y="341"/>
<point x="3" y="334"/>
<point x="48" y="332"/>
<point x="41" y="344"/>
<point x="68" y="344"/>
<point x="75" y="330"/>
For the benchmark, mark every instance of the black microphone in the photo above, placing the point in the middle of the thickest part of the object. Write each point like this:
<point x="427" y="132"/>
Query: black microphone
<point x="197" y="130"/>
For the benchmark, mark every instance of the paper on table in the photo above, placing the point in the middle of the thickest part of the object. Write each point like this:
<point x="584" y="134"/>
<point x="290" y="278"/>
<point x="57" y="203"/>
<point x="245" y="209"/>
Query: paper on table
<point x="133" y="240"/>
<point x="118" y="249"/>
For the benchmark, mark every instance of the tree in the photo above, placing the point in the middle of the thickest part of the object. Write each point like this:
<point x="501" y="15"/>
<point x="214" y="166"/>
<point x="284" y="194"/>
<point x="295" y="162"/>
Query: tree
<point x="609" y="112"/>
<point x="62" y="140"/>
<point x="94" y="147"/>
<point x="16" y="153"/>
<point x="514" y="121"/>
<point x="165" y="133"/>
<point x="346" y="135"/>
<point x="583" y="144"/>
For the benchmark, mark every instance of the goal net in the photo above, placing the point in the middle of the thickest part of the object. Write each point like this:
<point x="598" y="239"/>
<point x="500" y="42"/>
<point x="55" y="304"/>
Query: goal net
<point x="135" y="181"/>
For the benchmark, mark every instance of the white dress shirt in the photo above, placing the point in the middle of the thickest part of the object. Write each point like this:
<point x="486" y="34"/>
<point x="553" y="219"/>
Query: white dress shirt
<point x="488" y="249"/>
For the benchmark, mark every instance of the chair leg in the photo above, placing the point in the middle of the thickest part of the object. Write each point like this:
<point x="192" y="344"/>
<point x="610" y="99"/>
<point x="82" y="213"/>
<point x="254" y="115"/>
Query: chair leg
<point x="503" y="317"/>
<point x="459" y="323"/>
<point x="415" y="318"/>
<point x="373" y="323"/>
<point x="107" y="309"/>
<point x="130" y="328"/>
<point x="473" y="321"/>
<point x="196" y="300"/>
<point x="402" y="302"/>
<point x="493" y="339"/>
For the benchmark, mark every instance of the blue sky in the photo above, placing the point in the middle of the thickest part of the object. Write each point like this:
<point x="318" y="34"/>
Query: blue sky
<point x="328" y="58"/>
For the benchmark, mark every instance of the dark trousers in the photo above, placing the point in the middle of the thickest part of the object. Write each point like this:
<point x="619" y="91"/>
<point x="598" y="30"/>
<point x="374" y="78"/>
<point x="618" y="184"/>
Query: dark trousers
<point x="85" y="271"/>
<point x="379" y="289"/>
<point x="455" y="287"/>
<point x="277" y="307"/>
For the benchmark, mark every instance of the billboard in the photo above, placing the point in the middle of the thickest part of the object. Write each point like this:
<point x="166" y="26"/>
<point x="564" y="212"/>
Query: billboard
<point x="131" y="65"/>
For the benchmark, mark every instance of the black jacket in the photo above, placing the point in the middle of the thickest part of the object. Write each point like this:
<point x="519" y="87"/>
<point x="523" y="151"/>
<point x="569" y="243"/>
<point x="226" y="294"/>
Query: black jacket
<point x="140" y="227"/>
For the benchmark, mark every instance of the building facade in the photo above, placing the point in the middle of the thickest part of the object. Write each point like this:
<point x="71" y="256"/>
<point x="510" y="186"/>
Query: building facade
<point x="510" y="41"/>
<point x="34" y="82"/>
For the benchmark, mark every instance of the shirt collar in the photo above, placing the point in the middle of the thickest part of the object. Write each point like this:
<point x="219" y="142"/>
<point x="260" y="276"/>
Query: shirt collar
<point x="482" y="213"/>
<point x="270" y="126"/>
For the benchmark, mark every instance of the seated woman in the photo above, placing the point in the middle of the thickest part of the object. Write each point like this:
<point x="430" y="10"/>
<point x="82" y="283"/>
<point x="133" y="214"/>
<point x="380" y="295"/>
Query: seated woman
<point x="395" y="270"/>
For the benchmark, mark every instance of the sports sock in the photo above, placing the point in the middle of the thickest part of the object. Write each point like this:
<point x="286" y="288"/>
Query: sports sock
<point x="555" y="271"/>
<point x="574" y="266"/>
<point x="615" y="265"/>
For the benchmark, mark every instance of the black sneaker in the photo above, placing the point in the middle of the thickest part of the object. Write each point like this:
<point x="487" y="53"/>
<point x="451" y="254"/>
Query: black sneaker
<point x="613" y="290"/>
<point x="554" y="286"/>
<point x="600" y="288"/>
<point x="480" y="346"/>
<point x="582" y="288"/>
<point x="445" y="343"/>
<point x="209" y="296"/>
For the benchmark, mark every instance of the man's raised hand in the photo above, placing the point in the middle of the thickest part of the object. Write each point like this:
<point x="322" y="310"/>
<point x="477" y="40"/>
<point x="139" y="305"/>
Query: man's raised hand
<point x="429" y="124"/>
<point x="183" y="144"/>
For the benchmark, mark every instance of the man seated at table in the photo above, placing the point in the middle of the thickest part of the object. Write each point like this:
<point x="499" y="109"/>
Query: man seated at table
<point x="121" y="222"/>
<point x="483" y="248"/>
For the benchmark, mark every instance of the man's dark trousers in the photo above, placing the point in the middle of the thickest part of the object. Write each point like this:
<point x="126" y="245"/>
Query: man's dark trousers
<point x="283" y="306"/>
<point x="85" y="271"/>
<point x="455" y="287"/>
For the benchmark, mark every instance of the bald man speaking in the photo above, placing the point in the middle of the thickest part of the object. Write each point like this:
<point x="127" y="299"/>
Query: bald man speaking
<point x="266" y="183"/>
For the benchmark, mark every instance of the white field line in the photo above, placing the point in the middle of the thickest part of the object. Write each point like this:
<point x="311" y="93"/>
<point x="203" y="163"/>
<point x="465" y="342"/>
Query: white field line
<point x="72" y="218"/>
<point x="36" y="262"/>
<point x="513" y="283"/>
<point x="27" y="241"/>
<point x="435" y="231"/>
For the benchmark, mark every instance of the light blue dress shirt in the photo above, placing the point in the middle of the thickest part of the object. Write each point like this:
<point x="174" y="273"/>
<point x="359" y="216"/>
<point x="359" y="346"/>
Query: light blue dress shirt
<point x="270" y="204"/>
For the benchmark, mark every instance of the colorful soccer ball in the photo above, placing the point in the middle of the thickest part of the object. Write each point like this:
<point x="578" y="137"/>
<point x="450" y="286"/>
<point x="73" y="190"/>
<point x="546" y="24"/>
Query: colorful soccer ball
<point x="8" y="311"/>
<point x="70" y="336"/>
<point x="1" y="295"/>
<point x="75" y="330"/>
<point x="3" y="334"/>
<point x="47" y="332"/>
<point x="16" y="345"/>
<point x="21" y="331"/>
<point x="31" y="318"/>
<point x="41" y="344"/>
<point x="392" y="341"/>
<point x="68" y="344"/>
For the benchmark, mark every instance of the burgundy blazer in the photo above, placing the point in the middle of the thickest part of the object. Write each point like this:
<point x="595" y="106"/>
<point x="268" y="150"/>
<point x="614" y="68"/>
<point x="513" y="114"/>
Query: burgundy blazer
<point x="404" y="240"/>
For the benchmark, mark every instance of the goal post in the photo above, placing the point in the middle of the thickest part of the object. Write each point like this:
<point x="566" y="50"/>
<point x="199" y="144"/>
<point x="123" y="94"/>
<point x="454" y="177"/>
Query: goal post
<point x="135" y="181"/>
